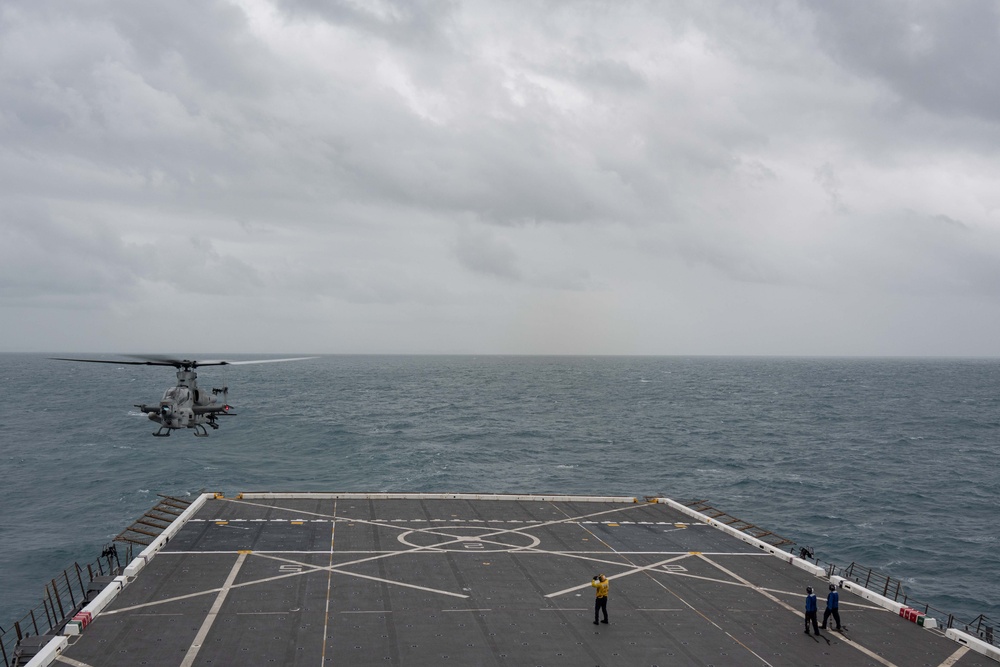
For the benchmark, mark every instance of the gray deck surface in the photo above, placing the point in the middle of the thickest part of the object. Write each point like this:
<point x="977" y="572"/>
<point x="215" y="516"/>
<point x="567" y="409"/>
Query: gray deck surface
<point x="313" y="581"/>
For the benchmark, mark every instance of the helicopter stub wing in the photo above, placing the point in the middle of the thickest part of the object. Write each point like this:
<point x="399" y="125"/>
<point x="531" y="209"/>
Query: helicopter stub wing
<point x="212" y="409"/>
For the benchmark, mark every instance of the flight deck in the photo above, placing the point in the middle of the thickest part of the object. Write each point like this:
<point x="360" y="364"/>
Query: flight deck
<point x="379" y="579"/>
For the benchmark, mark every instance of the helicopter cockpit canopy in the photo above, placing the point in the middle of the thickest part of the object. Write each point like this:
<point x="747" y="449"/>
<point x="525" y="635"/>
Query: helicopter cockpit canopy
<point x="176" y="395"/>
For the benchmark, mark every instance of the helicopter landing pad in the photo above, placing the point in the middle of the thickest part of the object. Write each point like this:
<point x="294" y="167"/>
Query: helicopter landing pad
<point x="355" y="579"/>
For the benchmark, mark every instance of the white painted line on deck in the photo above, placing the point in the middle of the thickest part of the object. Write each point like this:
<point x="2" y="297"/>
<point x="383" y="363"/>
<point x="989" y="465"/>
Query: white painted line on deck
<point x="399" y="583"/>
<point x="159" y="615"/>
<point x="436" y="550"/>
<point x="329" y="586"/>
<point x="704" y="616"/>
<point x="264" y="613"/>
<point x="309" y="568"/>
<point x="213" y="613"/>
<point x="620" y="575"/>
<point x="123" y="610"/>
<point x="955" y="657"/>
<point x="871" y="654"/>
<point x="71" y="661"/>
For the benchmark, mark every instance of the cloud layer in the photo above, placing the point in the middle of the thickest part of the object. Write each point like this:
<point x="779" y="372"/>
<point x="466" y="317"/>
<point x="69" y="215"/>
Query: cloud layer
<point x="475" y="177"/>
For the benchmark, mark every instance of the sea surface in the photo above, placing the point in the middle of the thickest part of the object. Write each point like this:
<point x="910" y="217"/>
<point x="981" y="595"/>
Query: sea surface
<point x="891" y="463"/>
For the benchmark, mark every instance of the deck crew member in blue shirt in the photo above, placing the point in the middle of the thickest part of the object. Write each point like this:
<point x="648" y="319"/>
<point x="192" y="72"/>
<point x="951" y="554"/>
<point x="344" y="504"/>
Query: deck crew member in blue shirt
<point x="811" y="610"/>
<point x="832" y="607"/>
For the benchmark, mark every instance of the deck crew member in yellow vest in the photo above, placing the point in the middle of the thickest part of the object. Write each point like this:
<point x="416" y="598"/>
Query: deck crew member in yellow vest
<point x="601" y="583"/>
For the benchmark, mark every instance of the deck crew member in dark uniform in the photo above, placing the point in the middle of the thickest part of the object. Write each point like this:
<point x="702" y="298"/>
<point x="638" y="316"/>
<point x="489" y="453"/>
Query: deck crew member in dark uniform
<point x="832" y="607"/>
<point x="811" y="610"/>
<point x="601" y="583"/>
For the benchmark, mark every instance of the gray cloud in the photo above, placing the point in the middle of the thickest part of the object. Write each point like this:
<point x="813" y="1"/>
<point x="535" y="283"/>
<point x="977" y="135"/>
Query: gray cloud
<point x="939" y="57"/>
<point x="483" y="253"/>
<point x="481" y="176"/>
<point x="417" y="24"/>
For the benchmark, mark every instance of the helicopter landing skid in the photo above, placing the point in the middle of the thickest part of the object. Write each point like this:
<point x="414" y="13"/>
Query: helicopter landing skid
<point x="200" y="431"/>
<point x="160" y="434"/>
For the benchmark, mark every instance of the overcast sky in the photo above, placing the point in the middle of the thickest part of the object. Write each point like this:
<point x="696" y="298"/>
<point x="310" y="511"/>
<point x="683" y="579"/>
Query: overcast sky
<point x="322" y="176"/>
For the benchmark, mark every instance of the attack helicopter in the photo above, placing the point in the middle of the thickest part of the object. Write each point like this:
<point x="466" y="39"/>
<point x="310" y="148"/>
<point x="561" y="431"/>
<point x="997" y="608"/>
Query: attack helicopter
<point x="185" y="405"/>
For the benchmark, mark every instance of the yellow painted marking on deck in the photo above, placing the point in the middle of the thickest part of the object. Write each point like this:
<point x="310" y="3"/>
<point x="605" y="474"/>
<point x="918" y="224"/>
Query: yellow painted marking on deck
<point x="695" y="553"/>
<point x="221" y="523"/>
<point x="244" y="551"/>
<point x="297" y="523"/>
<point x="613" y="524"/>
<point x="680" y="525"/>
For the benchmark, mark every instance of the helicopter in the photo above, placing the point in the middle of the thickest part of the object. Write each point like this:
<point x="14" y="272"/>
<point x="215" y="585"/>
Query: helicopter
<point x="185" y="405"/>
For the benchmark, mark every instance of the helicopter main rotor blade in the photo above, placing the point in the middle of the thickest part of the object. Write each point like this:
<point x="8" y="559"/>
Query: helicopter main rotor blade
<point x="159" y="360"/>
<point x="262" y="361"/>
<point x="116" y="361"/>
<point x="213" y="362"/>
<point x="178" y="363"/>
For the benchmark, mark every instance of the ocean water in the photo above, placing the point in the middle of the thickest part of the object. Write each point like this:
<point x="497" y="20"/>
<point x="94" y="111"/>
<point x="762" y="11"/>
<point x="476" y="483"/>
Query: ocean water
<point x="892" y="463"/>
